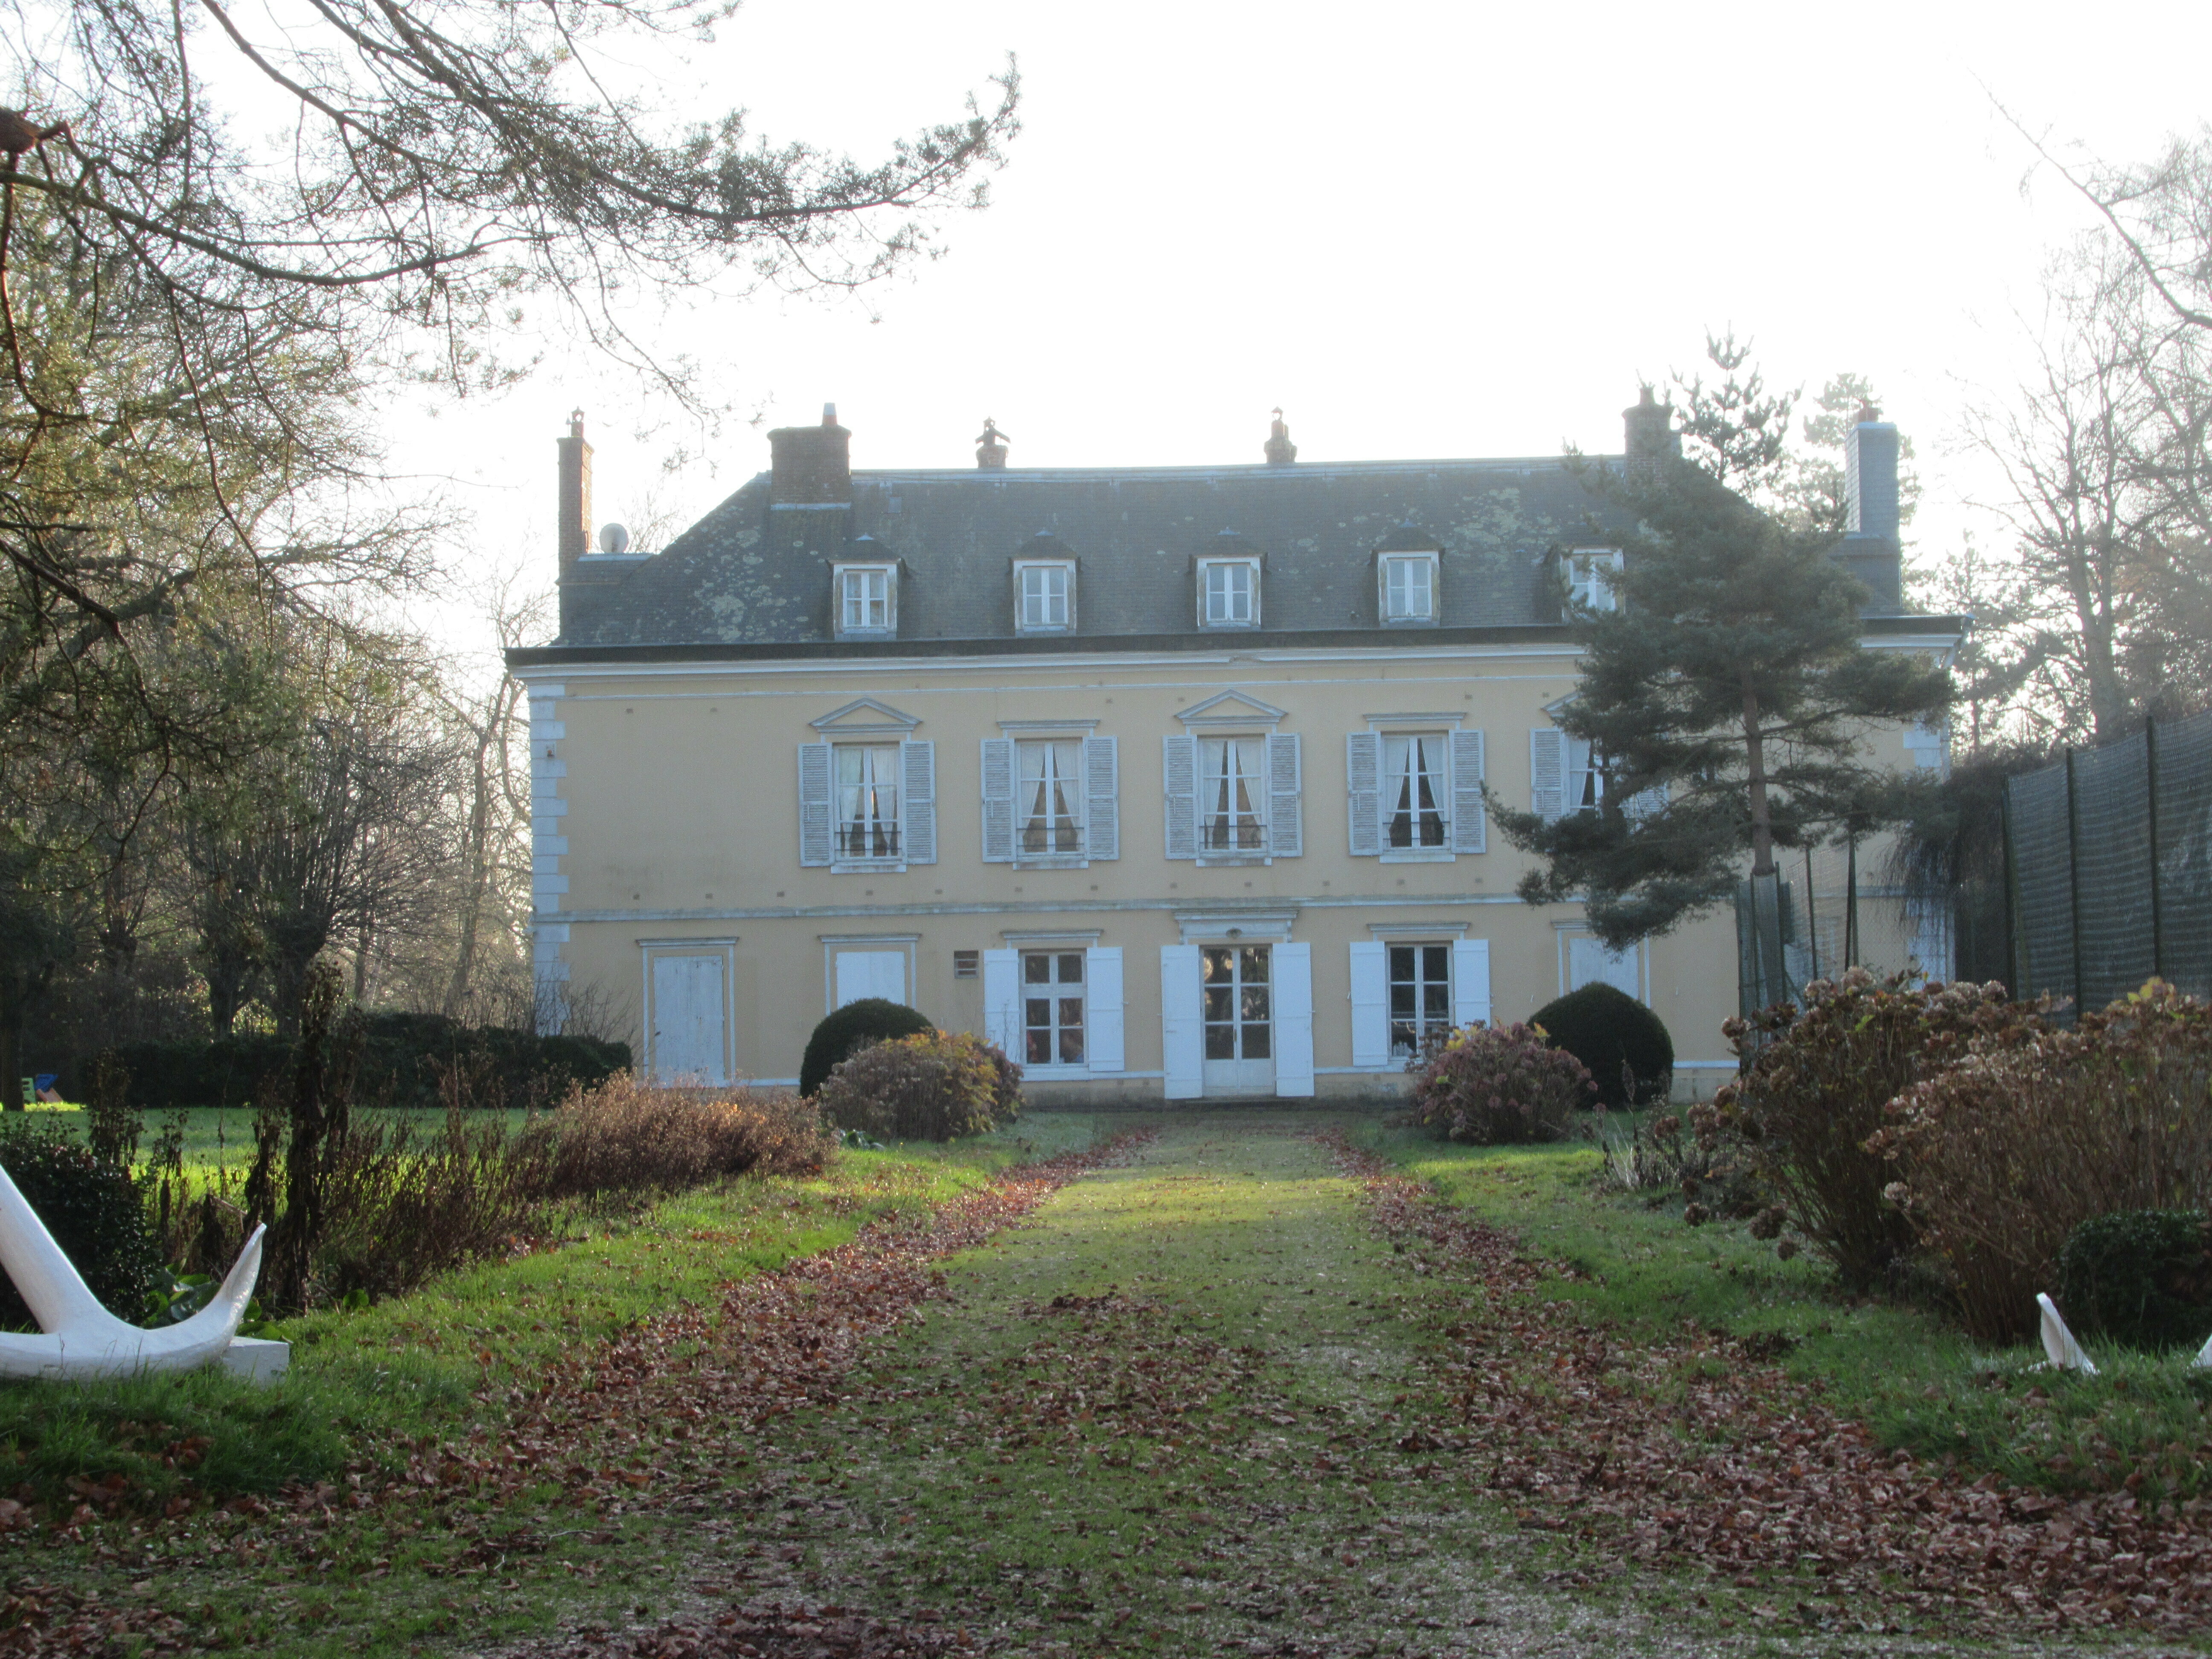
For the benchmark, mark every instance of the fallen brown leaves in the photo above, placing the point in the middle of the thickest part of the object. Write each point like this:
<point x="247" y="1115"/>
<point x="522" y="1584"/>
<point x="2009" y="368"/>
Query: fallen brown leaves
<point x="1697" y="1449"/>
<point x="772" y="1631"/>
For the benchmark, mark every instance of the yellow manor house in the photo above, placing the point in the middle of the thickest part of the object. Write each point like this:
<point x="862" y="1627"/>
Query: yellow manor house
<point x="1168" y="779"/>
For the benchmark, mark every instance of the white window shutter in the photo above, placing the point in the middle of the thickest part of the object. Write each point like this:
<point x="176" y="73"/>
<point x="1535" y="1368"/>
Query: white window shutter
<point x="1470" y="987"/>
<point x="1101" y="803"/>
<point x="998" y="800"/>
<point x="1371" y="1003"/>
<point x="815" y="845"/>
<point x="1102" y="965"/>
<point x="1645" y="803"/>
<point x="1547" y="772"/>
<point x="1363" y="771"/>
<point x="1470" y="826"/>
<point x="1179" y="788"/>
<point x="918" y="801"/>
<point x="1002" y="1001"/>
<point x="1286" y="826"/>
<point x="1182" y="1037"/>
<point x="1294" y="1019"/>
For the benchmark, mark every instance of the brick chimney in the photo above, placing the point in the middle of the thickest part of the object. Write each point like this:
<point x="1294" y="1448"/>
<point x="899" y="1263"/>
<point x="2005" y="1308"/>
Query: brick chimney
<point x="1649" y="430"/>
<point x="1278" y="448"/>
<point x="812" y="465"/>
<point x="575" y="495"/>
<point x="1870" y="480"/>
<point x="1871" y="549"/>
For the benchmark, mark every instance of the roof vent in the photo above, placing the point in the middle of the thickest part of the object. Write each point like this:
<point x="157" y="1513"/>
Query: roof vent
<point x="1281" y="452"/>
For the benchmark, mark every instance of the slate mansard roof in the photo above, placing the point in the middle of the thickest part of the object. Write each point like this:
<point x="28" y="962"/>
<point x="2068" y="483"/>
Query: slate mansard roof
<point x="754" y="572"/>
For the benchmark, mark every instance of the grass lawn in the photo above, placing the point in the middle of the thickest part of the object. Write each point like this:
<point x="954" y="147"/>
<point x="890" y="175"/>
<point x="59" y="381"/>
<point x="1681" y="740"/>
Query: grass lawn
<point x="1918" y="1383"/>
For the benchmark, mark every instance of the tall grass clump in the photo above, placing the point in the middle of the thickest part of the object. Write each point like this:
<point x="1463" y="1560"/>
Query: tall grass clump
<point x="2001" y="1156"/>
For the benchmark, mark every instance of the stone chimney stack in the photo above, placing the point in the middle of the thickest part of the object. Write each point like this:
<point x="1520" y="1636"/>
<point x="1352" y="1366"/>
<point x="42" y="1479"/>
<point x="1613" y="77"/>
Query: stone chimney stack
<point x="1871" y="479"/>
<point x="575" y="504"/>
<point x="991" y="448"/>
<point x="812" y="465"/>
<point x="1279" y="450"/>
<point x="1649" y="434"/>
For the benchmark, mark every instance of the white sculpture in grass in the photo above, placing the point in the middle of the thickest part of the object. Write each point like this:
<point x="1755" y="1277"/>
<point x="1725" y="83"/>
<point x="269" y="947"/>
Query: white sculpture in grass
<point x="2058" y="1342"/>
<point x="79" y="1339"/>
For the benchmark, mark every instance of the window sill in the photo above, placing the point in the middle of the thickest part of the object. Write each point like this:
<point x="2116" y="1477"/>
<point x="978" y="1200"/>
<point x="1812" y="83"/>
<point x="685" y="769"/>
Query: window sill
<point x="1231" y="861"/>
<point x="1052" y="861"/>
<point x="868" y="867"/>
<point x="1417" y="855"/>
<point x="1409" y="622"/>
<point x="845" y="634"/>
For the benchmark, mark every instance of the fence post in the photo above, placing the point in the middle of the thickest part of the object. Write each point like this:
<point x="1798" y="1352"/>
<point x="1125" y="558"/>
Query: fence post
<point x="1851" y="902"/>
<point x="2014" y="965"/>
<point x="2073" y="878"/>
<point x="2150" y="795"/>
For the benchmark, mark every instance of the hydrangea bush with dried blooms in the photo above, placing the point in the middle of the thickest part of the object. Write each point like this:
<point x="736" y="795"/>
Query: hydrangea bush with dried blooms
<point x="1812" y="1089"/>
<point x="2036" y="1130"/>
<point x="1500" y="1085"/>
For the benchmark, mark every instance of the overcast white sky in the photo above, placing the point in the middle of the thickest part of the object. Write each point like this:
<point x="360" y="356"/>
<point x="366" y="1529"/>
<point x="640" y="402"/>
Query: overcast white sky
<point x="1423" y="229"/>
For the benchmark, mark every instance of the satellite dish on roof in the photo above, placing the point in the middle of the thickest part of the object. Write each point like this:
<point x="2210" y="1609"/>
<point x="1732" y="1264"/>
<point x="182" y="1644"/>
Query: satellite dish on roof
<point x="613" y="538"/>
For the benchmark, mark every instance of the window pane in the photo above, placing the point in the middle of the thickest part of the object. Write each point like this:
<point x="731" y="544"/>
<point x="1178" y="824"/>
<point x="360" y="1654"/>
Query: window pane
<point x="1070" y="969"/>
<point x="1403" y="1001"/>
<point x="1218" y="1007"/>
<point x="1402" y="961"/>
<point x="1255" y="965"/>
<point x="1253" y="1002"/>
<point x="1036" y="969"/>
<point x="1038" y="1051"/>
<point x="1213" y="964"/>
<point x="1435" y="1002"/>
<point x="1436" y="962"/>
<point x="1071" y="1046"/>
<point x="1256" y="1042"/>
<point x="1070" y="1013"/>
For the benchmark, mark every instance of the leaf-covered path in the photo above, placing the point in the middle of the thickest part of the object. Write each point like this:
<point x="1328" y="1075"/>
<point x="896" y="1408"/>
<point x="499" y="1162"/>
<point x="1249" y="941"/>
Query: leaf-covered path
<point x="1193" y="1405"/>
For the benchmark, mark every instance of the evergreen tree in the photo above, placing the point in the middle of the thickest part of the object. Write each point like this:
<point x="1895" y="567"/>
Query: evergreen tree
<point x="1724" y="699"/>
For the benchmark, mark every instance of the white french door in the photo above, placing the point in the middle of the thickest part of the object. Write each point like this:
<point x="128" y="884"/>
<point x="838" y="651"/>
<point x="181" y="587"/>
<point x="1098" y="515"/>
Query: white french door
<point x="1237" y="1018"/>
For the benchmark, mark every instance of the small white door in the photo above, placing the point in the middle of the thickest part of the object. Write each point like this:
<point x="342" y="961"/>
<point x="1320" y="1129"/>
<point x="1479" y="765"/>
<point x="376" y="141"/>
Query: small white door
<point x="871" y="973"/>
<point x="1237" y="1009"/>
<point x="1588" y="963"/>
<point x="688" y="1020"/>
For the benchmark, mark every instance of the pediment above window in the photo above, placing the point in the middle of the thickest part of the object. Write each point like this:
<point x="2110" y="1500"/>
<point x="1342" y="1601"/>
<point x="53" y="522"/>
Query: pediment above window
<point x="864" y="717"/>
<point x="1232" y="708"/>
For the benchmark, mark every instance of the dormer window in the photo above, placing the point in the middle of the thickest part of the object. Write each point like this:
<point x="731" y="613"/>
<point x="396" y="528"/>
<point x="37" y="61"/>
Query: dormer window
<point x="1408" y="586"/>
<point x="1591" y="572"/>
<point x="1229" y="592"/>
<point x="867" y="600"/>
<point x="1044" y="596"/>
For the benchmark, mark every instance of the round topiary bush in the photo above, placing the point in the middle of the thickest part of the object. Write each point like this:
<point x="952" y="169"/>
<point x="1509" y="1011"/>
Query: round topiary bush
<point x="96" y="1214"/>
<point x="2142" y="1278"/>
<point x="1607" y="1030"/>
<point x="871" y="1019"/>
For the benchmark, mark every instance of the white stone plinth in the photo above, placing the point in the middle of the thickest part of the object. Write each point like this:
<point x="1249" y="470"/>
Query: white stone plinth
<point x="257" y="1359"/>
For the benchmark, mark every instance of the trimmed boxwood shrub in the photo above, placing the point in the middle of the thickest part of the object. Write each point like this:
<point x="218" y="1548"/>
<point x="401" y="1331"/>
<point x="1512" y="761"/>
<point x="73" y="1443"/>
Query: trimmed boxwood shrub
<point x="1607" y="1030"/>
<point x="401" y="1056"/>
<point x="2142" y="1278"/>
<point x="871" y="1019"/>
<point x="96" y="1214"/>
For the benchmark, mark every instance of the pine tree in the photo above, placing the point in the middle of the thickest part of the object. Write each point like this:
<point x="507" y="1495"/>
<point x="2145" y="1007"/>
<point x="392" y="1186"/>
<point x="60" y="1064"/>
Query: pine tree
<point x="1724" y="700"/>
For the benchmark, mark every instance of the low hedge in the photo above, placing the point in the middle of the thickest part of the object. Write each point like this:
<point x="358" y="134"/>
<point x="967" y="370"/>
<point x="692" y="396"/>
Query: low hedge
<point x="842" y="1030"/>
<point x="2142" y="1278"/>
<point x="401" y="1060"/>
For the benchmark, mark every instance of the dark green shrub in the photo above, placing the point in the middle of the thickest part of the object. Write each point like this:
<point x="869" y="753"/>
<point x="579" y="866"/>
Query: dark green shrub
<point x="933" y="1085"/>
<point x="1812" y="1092"/>
<point x="403" y="1058"/>
<point x="96" y="1214"/>
<point x="1498" y="1087"/>
<point x="2142" y="1278"/>
<point x="1621" y="1042"/>
<point x="871" y="1019"/>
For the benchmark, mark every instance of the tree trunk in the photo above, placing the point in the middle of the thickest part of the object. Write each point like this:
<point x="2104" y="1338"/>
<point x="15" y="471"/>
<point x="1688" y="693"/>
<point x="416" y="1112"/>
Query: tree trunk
<point x="11" y="1041"/>
<point x="1762" y="816"/>
<point x="479" y="855"/>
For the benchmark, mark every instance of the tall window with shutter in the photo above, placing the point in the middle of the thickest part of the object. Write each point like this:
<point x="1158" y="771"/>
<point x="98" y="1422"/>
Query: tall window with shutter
<point x="1050" y="799"/>
<point x="1414" y="794"/>
<point x="867" y="806"/>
